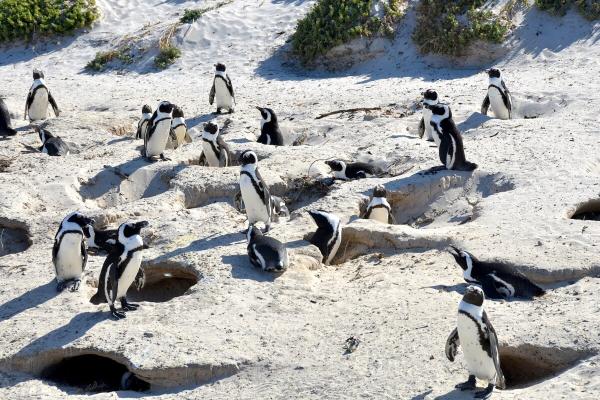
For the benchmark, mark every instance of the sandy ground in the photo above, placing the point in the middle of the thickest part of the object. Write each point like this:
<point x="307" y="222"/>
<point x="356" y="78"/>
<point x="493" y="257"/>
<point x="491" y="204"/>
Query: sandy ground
<point x="220" y="329"/>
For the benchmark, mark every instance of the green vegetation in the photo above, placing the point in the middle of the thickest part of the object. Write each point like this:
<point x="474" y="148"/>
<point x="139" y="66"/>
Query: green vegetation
<point x="333" y="22"/>
<point x="103" y="58"/>
<point x="590" y="9"/>
<point x="22" y="19"/>
<point x="450" y="26"/>
<point x="190" y="16"/>
<point x="167" y="56"/>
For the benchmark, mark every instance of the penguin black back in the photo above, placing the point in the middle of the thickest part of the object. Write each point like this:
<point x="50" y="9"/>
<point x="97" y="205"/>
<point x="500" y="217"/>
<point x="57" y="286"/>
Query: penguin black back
<point x="269" y="128"/>
<point x="6" y="128"/>
<point x="52" y="145"/>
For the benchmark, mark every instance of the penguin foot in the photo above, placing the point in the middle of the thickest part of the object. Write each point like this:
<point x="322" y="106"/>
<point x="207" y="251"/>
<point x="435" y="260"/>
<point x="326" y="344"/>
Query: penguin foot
<point x="267" y="227"/>
<point x="470" y="384"/>
<point x="128" y="306"/>
<point x="486" y="393"/>
<point x="61" y="286"/>
<point x="74" y="285"/>
<point x="163" y="158"/>
<point x="117" y="314"/>
<point x="434" y="170"/>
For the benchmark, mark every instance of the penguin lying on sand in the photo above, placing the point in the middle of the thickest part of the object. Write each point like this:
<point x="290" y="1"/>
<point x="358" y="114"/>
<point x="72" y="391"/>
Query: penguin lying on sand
<point x="266" y="252"/>
<point x="36" y="107"/>
<point x="69" y="254"/>
<point x="497" y="96"/>
<point x="379" y="209"/>
<point x="6" y="128"/>
<point x="347" y="171"/>
<point x="328" y="236"/>
<point x="52" y="145"/>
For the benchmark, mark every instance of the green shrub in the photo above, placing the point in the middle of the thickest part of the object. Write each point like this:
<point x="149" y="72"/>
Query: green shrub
<point x="21" y="19"/>
<point x="449" y="27"/>
<point x="588" y="8"/>
<point x="103" y="58"/>
<point x="333" y="22"/>
<point x="167" y="56"/>
<point x="190" y="16"/>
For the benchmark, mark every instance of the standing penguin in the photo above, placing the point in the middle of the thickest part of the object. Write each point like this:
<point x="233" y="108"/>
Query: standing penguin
<point x="179" y="129"/>
<point x="143" y="122"/>
<point x="255" y="193"/>
<point x="100" y="239"/>
<point x="215" y="149"/>
<point x="121" y="268"/>
<point x="430" y="98"/>
<point x="475" y="333"/>
<point x="158" y="132"/>
<point x="452" y="152"/>
<point x="328" y="236"/>
<point x="6" y="128"/>
<point x="379" y="209"/>
<point x="39" y="96"/>
<point x="269" y="128"/>
<point x="52" y="145"/>
<point x="347" y="171"/>
<point x="69" y="254"/>
<point x="497" y="96"/>
<point x="222" y="89"/>
<point x="266" y="252"/>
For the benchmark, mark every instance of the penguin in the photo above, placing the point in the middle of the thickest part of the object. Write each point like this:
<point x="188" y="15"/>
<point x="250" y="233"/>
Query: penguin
<point x="266" y="252"/>
<point x="451" y="150"/>
<point x="52" y="145"/>
<point x="6" y="128"/>
<point x="143" y="122"/>
<point x="269" y="128"/>
<point x="255" y="193"/>
<point x="158" y="131"/>
<point x="347" y="171"/>
<point x="121" y="268"/>
<point x="498" y="281"/>
<point x="478" y="338"/>
<point x="497" y="96"/>
<point x="36" y="107"/>
<point x="100" y="239"/>
<point x="222" y="89"/>
<point x="215" y="149"/>
<point x="328" y="236"/>
<point x="379" y="209"/>
<point x="279" y="207"/>
<point x="430" y="98"/>
<point x="179" y="129"/>
<point x="69" y="254"/>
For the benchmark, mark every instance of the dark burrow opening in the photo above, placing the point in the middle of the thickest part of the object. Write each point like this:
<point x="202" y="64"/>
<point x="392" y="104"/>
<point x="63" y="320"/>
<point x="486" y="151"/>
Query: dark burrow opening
<point x="163" y="283"/>
<point x="13" y="240"/>
<point x="90" y="373"/>
<point x="528" y="365"/>
<point x="301" y="192"/>
<point x="590" y="210"/>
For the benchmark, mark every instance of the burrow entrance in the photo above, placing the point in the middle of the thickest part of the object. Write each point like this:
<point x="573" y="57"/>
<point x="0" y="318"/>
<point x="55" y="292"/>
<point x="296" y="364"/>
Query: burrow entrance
<point x="528" y="365"/>
<point x="13" y="239"/>
<point x="164" y="282"/>
<point x="590" y="210"/>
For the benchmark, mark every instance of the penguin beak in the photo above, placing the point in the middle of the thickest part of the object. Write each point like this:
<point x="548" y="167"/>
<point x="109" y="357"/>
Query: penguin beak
<point x="259" y="108"/>
<point x="92" y="222"/>
<point x="328" y="163"/>
<point x="454" y="251"/>
<point x="142" y="224"/>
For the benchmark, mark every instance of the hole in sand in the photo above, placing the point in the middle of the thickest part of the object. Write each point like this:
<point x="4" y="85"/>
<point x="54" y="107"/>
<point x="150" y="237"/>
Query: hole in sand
<point x="590" y="210"/>
<point x="163" y="283"/>
<point x="13" y="239"/>
<point x="301" y="192"/>
<point x="527" y="365"/>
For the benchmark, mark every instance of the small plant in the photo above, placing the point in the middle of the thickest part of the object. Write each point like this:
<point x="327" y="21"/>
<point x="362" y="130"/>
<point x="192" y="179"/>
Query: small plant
<point x="103" y="58"/>
<point x="167" y="56"/>
<point x="190" y="16"/>
<point x="590" y="9"/>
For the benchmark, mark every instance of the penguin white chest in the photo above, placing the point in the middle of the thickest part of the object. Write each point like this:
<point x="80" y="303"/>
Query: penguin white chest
<point x="128" y="275"/>
<point x="211" y="157"/>
<point x="379" y="214"/>
<point x="69" y="260"/>
<point x="180" y="129"/>
<point x="429" y="134"/>
<point x="479" y="363"/>
<point x="497" y="103"/>
<point x="256" y="210"/>
<point x="38" y="109"/>
<point x="222" y="94"/>
<point x="158" y="141"/>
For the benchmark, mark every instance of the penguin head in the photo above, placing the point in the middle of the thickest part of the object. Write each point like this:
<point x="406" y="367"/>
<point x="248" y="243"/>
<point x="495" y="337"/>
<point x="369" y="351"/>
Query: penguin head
<point x="438" y="109"/>
<point x="324" y="219"/>
<point x="131" y="382"/>
<point x="129" y="229"/>
<point x="177" y="112"/>
<point x="43" y="134"/>
<point x="430" y="96"/>
<point x="493" y="73"/>
<point x="248" y="157"/>
<point x="211" y="127"/>
<point x="38" y="74"/>
<point x="80" y="219"/>
<point x="220" y="67"/>
<point x="464" y="259"/>
<point x="252" y="232"/>
<point x="474" y="295"/>
<point x="165" y="107"/>
<point x="379" y="191"/>
<point x="336" y="165"/>
<point x="146" y="109"/>
<point x="267" y="114"/>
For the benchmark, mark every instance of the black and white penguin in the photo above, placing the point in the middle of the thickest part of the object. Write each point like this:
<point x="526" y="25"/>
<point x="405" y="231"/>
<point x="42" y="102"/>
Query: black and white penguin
<point x="430" y="98"/>
<point x="328" y="236"/>
<point x="122" y="268"/>
<point x="347" y="171"/>
<point x="105" y="240"/>
<point x="379" y="209"/>
<point x="451" y="149"/>
<point x="266" y="252"/>
<point x="498" y="281"/>
<point x="52" y="145"/>
<point x="255" y="193"/>
<point x="6" y="128"/>
<point x="215" y="149"/>
<point x="179" y="131"/>
<point x="269" y="128"/>
<point x="158" y="132"/>
<point x="69" y="254"/>
<point x="475" y="333"/>
<point x="497" y="96"/>
<point x="222" y="89"/>
<point x="36" y="107"/>
<point x="279" y="207"/>
<point x="143" y="122"/>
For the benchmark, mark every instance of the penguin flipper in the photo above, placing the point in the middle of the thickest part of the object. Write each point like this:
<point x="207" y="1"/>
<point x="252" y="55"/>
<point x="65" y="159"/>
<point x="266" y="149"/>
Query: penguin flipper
<point x="452" y="344"/>
<point x="211" y="96"/>
<point x="84" y="255"/>
<point x="506" y="97"/>
<point x="265" y="192"/>
<point x="485" y="105"/>
<point x="422" y="128"/>
<point x="140" y="279"/>
<point x="28" y="103"/>
<point x="53" y="104"/>
<point x="493" y="338"/>
<point x="225" y="154"/>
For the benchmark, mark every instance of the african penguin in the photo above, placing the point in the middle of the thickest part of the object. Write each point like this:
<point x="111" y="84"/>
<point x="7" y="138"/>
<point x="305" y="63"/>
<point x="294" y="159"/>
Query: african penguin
<point x="222" y="89"/>
<point x="143" y="122"/>
<point x="179" y="132"/>
<point x="255" y="193"/>
<point x="451" y="150"/>
<point x="328" y="236"/>
<point x="69" y="254"/>
<point x="430" y="98"/>
<point x="52" y="145"/>
<point x="36" y="107"/>
<point x="215" y="149"/>
<point x="158" y="131"/>
<point x="269" y="128"/>
<point x="122" y="268"/>
<point x="346" y="171"/>
<point x="379" y="209"/>
<point x="100" y="239"/>
<point x="266" y="252"/>
<point x="279" y="207"/>
<point x="6" y="128"/>
<point x="498" y="281"/>
<point x="497" y="96"/>
<point x="475" y="333"/>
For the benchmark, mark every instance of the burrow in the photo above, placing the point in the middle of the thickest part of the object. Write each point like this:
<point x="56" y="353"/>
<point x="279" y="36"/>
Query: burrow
<point x="589" y="210"/>
<point x="14" y="237"/>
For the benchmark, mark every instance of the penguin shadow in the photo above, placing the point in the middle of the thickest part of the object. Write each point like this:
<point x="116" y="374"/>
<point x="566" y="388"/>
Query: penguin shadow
<point x="242" y="268"/>
<point x="475" y="120"/>
<point x="110" y="177"/>
<point x="422" y="396"/>
<point x="454" y="394"/>
<point x="209" y="242"/>
<point x="458" y="288"/>
<point x="30" y="299"/>
<point x="200" y="119"/>
<point x="121" y="139"/>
